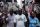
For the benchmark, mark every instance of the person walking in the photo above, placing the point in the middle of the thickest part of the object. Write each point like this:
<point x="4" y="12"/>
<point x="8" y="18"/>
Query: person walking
<point x="33" y="20"/>
<point x="20" y="19"/>
<point x="10" y="19"/>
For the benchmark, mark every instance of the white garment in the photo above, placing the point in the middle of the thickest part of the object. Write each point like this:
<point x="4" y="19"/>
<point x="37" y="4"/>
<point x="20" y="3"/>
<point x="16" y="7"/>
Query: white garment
<point x="11" y="21"/>
<point x="19" y="2"/>
<point x="20" y="19"/>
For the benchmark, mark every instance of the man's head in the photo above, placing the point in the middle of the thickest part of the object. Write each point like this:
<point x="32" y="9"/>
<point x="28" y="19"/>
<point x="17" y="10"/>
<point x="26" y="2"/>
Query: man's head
<point x="11" y="11"/>
<point x="33" y="14"/>
<point x="20" y="12"/>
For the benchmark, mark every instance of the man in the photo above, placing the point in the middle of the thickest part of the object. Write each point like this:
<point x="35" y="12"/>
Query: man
<point x="33" y="20"/>
<point x="20" y="19"/>
<point x="11" y="19"/>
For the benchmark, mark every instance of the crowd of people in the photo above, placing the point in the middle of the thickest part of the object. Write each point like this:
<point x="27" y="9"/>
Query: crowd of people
<point x="20" y="17"/>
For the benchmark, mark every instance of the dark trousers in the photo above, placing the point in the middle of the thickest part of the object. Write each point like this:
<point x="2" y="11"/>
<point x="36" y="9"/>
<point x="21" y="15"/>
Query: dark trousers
<point x="14" y="24"/>
<point x="1" y="24"/>
<point x="26" y="24"/>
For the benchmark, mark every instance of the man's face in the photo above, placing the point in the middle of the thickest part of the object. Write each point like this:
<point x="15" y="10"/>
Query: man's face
<point x="33" y="14"/>
<point x="20" y="12"/>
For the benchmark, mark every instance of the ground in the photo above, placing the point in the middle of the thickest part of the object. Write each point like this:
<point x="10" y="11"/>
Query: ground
<point x="4" y="25"/>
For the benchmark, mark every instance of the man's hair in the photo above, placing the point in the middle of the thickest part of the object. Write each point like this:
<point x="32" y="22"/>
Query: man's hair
<point x="11" y="11"/>
<point x="19" y="12"/>
<point x="15" y="12"/>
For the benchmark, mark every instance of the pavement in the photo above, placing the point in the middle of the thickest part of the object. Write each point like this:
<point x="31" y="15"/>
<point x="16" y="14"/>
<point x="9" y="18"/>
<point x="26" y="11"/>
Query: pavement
<point x="4" y="25"/>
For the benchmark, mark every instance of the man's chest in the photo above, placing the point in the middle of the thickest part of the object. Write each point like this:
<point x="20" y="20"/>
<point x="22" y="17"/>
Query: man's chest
<point x="20" y="18"/>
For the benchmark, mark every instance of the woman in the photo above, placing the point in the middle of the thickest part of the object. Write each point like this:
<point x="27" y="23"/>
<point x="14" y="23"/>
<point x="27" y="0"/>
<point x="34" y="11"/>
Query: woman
<point x="10" y="19"/>
<point x="33" y="20"/>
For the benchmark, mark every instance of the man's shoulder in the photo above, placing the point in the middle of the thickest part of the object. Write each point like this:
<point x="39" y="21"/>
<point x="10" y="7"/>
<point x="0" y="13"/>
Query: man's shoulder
<point x="23" y="15"/>
<point x="36" y="18"/>
<point x="17" y="15"/>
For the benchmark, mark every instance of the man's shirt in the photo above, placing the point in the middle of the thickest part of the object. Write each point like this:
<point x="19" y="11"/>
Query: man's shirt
<point x="20" y="19"/>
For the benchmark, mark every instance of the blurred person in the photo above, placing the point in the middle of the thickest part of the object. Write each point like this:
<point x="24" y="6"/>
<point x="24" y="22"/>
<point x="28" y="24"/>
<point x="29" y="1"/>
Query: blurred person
<point x="33" y="20"/>
<point x="1" y="20"/>
<point x="26" y="14"/>
<point x="27" y="22"/>
<point x="31" y="7"/>
<point x="20" y="19"/>
<point x="20" y="4"/>
<point x="4" y="16"/>
<point x="15" y="13"/>
<point x="10" y="19"/>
